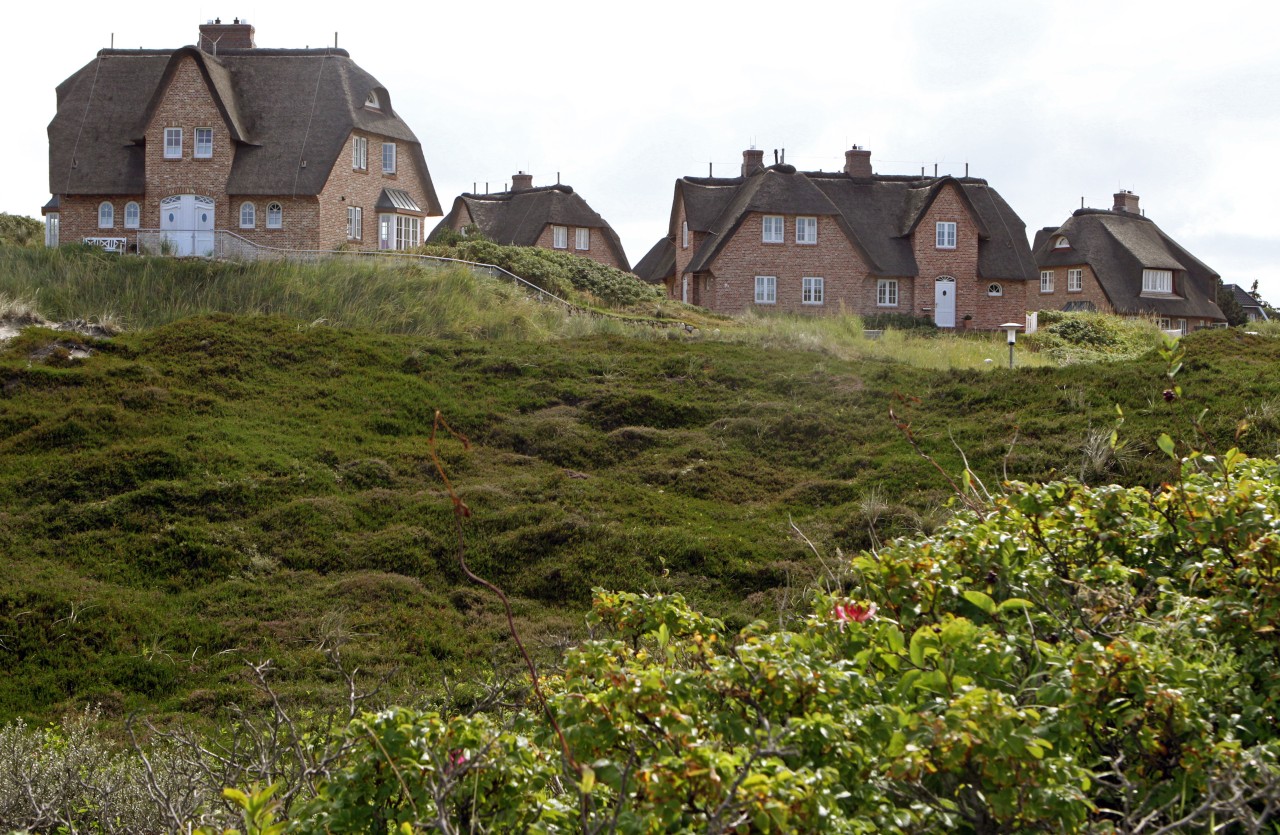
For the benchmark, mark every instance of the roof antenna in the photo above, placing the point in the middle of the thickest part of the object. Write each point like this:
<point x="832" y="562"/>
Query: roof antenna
<point x="113" y="40"/>
<point x="966" y="170"/>
<point x="935" y="170"/>
<point x="1082" y="201"/>
<point x="335" y="40"/>
<point x="784" y="156"/>
<point x="557" y="178"/>
<point x="775" y="156"/>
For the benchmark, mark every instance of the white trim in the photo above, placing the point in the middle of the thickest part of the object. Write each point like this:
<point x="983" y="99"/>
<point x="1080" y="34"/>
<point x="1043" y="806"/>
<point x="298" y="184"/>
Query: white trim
<point x="766" y="289"/>
<point x="207" y="152"/>
<point x="275" y="215"/>
<point x="1046" y="281"/>
<point x="355" y="223"/>
<point x="886" y="292"/>
<point x="106" y="215"/>
<point x="251" y="216"/>
<point x="1157" y="281"/>
<point x="684" y="233"/>
<point x="773" y="229"/>
<point x="388" y="157"/>
<point x="944" y="234"/>
<point x="582" y="238"/>
<point x="994" y="289"/>
<point x="52" y="228"/>
<point x="359" y="153"/>
<point x="806" y="230"/>
<point x="559" y="237"/>
<point x="813" y="290"/>
<point x="1075" y="280"/>
<point x="173" y="143"/>
<point x="132" y="215"/>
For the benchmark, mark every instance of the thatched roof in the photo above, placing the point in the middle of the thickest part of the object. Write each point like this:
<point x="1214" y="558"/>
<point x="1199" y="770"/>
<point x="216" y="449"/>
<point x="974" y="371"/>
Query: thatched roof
<point x="283" y="107"/>
<point x="517" y="218"/>
<point x="658" y="264"/>
<point x="877" y="214"/>
<point x="1118" y="245"/>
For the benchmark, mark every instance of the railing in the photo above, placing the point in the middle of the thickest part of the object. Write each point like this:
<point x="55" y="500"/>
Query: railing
<point x="109" y="244"/>
<point x="223" y="243"/>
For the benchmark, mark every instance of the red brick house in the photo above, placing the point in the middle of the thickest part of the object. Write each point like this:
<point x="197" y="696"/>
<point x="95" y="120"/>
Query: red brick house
<point x="1118" y="261"/>
<point x="551" y="217"/>
<point x="288" y="148"/>
<point x="775" y="238"/>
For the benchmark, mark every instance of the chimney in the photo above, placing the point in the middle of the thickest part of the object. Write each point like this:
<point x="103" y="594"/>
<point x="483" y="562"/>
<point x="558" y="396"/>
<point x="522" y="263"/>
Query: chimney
<point x="1126" y="201"/>
<point x="216" y="36"/>
<point x="857" y="162"/>
<point x="521" y="181"/>
<point x="752" y="161"/>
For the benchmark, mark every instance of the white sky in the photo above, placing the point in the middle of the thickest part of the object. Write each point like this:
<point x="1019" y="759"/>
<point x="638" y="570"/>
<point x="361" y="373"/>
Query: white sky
<point x="1176" y="101"/>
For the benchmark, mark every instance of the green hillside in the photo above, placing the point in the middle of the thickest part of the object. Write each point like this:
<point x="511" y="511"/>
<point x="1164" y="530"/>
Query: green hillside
<point x="224" y="489"/>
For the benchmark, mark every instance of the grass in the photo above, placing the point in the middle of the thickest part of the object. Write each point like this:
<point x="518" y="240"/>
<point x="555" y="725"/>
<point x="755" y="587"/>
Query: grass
<point x="216" y="489"/>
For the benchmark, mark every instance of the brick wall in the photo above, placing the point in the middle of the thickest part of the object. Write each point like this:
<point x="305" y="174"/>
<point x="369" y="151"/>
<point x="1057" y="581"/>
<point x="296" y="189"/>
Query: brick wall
<point x="599" y="251"/>
<point x="1090" y="291"/>
<point x="349" y="187"/>
<point x="745" y="256"/>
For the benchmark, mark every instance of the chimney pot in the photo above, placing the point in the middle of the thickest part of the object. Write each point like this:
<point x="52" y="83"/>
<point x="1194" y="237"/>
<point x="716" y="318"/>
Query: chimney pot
<point x="521" y="181"/>
<point x="218" y="35"/>
<point x="1125" y="201"/>
<point x="857" y="162"/>
<point x="752" y="161"/>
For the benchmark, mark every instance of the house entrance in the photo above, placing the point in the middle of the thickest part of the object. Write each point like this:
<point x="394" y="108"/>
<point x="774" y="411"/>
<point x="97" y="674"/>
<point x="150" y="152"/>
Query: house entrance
<point x="944" y="302"/>
<point x="187" y="223"/>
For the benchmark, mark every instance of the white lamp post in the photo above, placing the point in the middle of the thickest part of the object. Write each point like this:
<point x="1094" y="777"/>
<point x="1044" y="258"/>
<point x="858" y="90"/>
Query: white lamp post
<point x="1011" y="329"/>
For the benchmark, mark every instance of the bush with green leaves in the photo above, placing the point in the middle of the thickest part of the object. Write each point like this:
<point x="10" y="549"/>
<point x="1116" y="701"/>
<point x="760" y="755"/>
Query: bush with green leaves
<point x="1089" y="337"/>
<point x="19" y="230"/>
<point x="1062" y="658"/>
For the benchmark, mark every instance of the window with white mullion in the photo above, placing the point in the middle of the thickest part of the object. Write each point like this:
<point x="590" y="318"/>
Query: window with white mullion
<point x="560" y="237"/>
<point x="204" y="143"/>
<point x="806" y="230"/>
<point x="582" y="239"/>
<point x="360" y="153"/>
<point x="1046" y="281"/>
<point x="812" y="290"/>
<point x="945" y="234"/>
<point x="766" y="289"/>
<point x="388" y="157"/>
<point x="173" y="143"/>
<point x="774" y="230"/>
<point x="887" y="292"/>
<point x="1157" y="281"/>
<point x="1075" y="280"/>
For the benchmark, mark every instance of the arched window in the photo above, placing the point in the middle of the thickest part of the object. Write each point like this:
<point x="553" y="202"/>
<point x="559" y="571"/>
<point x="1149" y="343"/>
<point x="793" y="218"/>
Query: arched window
<point x="995" y="290"/>
<point x="275" y="216"/>
<point x="106" y="216"/>
<point x="1061" y="242"/>
<point x="132" y="215"/>
<point x="248" y="216"/>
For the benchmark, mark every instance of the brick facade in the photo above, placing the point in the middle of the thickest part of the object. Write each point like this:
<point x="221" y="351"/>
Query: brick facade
<point x="348" y="186"/>
<point x="599" y="251"/>
<point x="1059" y="296"/>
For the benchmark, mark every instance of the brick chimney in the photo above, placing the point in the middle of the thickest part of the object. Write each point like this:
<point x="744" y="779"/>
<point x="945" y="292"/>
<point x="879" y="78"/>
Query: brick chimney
<point x="857" y="162"/>
<point x="1126" y="201"/>
<point x="216" y="36"/>
<point x="752" y="161"/>
<point x="521" y="181"/>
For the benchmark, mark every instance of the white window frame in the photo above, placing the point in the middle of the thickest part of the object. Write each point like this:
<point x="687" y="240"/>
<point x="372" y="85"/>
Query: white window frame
<point x="813" y="290"/>
<point x="1182" y="326"/>
<point x="1075" y="280"/>
<point x="1061" y="242"/>
<point x="1164" y="323"/>
<point x="806" y="230"/>
<point x="684" y="234"/>
<point x="388" y="157"/>
<point x="355" y="223"/>
<point x="944" y="234"/>
<point x="408" y="231"/>
<point x="360" y="154"/>
<point x="132" y="215"/>
<point x="275" y="215"/>
<point x="559" y="237"/>
<point x="52" y="228"/>
<point x="773" y="229"/>
<point x="204" y="150"/>
<point x="1046" y="281"/>
<point x="994" y="289"/>
<point x="106" y="215"/>
<point x="766" y="289"/>
<point x="248" y="215"/>
<point x="886" y="292"/>
<point x="173" y="143"/>
<point x="582" y="238"/>
<point x="1157" y="281"/>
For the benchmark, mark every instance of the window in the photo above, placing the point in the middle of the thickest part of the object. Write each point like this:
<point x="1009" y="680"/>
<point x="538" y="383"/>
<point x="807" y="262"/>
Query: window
<point x="767" y="289"/>
<point x="811" y="290"/>
<point x="106" y="216"/>
<point x="1165" y="323"/>
<point x="204" y="143"/>
<point x="1046" y="281"/>
<point x="248" y="216"/>
<point x="806" y="230"/>
<point x="684" y="234"/>
<point x="173" y="143"/>
<point x="1061" y="242"/>
<point x="1182" y="326"/>
<point x="1075" y="281"/>
<point x="132" y="215"/>
<point x="773" y="229"/>
<point x="945" y="234"/>
<point x="372" y="100"/>
<point x="560" y="237"/>
<point x="51" y="223"/>
<point x="887" y="292"/>
<point x="275" y="216"/>
<point x="582" y="239"/>
<point x="995" y="290"/>
<point x="388" y="157"/>
<point x="408" y="232"/>
<point x="360" y="153"/>
<point x="1157" y="281"/>
<point x="355" y="223"/>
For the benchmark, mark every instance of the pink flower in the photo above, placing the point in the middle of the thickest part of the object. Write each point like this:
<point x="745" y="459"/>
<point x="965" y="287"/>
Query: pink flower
<point x="457" y="757"/>
<point x="853" y="612"/>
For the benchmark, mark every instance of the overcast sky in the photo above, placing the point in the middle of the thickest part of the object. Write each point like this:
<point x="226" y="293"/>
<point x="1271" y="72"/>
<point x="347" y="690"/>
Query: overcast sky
<point x="1050" y="103"/>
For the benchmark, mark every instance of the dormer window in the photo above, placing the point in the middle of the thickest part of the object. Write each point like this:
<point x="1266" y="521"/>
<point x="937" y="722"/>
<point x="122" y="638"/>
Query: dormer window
<point x="1061" y="242"/>
<point x="1157" y="281"/>
<point x="373" y="102"/>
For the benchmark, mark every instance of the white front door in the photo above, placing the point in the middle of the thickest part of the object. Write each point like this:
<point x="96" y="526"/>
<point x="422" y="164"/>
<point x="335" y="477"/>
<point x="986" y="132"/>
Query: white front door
<point x="944" y="302"/>
<point x="187" y="223"/>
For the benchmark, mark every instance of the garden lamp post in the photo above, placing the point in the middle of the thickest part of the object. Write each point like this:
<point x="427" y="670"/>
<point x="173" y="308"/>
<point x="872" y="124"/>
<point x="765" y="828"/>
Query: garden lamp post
<point x="1011" y="329"/>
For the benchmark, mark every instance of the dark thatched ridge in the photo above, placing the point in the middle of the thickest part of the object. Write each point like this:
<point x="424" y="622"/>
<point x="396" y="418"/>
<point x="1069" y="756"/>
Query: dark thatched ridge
<point x="283" y="107"/>
<point x="1118" y="245"/>
<point x="877" y="214"/>
<point x="517" y="218"/>
<point x="658" y="264"/>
